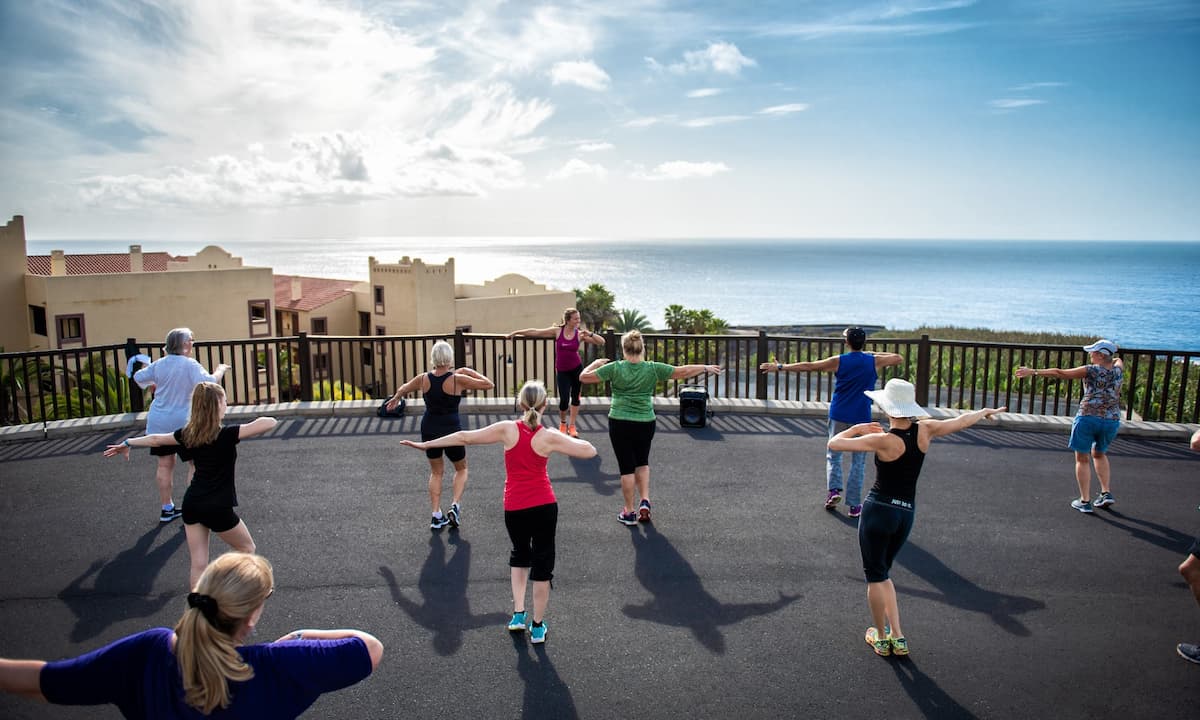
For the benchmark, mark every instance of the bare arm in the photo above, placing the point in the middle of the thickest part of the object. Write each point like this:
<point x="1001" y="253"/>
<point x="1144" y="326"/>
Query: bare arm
<point x="406" y="389"/>
<point x="374" y="647"/>
<point x="591" y="337"/>
<point x="256" y="427"/>
<point x="829" y="364"/>
<point x="690" y="371"/>
<point x="886" y="359"/>
<point x="545" y="443"/>
<point x="1196" y="441"/>
<point x="22" y="677"/>
<point x="467" y="379"/>
<point x="494" y="433"/>
<point x="156" y="440"/>
<point x="549" y="332"/>
<point x="1070" y="374"/>
<point x="589" y="376"/>
<point x="863" y="437"/>
<point x="219" y="372"/>
<point x="938" y="428"/>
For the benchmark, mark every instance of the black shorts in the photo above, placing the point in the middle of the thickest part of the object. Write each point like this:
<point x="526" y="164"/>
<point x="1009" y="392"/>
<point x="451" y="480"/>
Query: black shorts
<point x="436" y="426"/>
<point x="631" y="443"/>
<point x="218" y="520"/>
<point x="165" y="450"/>
<point x="532" y="533"/>
<point x="882" y="531"/>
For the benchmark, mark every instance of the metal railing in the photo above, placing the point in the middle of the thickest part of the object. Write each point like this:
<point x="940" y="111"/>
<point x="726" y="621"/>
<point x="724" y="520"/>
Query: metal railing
<point x="1160" y="385"/>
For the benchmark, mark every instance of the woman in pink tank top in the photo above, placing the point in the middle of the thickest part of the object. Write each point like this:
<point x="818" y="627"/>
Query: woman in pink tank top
<point x="567" y="364"/>
<point x="530" y="507"/>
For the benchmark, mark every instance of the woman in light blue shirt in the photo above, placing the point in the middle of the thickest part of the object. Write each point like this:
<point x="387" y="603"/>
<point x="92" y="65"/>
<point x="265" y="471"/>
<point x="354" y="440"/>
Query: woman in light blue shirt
<point x="173" y="378"/>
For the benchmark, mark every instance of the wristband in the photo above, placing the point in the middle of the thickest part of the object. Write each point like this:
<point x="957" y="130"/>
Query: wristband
<point x="778" y="366"/>
<point x="125" y="442"/>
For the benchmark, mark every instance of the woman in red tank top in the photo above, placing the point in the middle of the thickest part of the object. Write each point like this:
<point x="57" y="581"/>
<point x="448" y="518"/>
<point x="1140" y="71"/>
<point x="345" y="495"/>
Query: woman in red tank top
<point x="530" y="507"/>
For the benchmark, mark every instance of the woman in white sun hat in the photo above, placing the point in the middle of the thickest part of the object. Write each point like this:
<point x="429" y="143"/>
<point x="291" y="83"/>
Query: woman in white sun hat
<point x="887" y="515"/>
<point x="1097" y="421"/>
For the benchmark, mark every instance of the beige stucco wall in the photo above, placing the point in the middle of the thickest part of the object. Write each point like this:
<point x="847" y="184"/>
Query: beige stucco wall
<point x="418" y="298"/>
<point x="14" y="320"/>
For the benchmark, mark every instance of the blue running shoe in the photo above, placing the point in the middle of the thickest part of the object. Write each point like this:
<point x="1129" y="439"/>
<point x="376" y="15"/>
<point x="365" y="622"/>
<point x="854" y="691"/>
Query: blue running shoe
<point x="537" y="634"/>
<point x="517" y="624"/>
<point x="454" y="515"/>
<point x="437" y="522"/>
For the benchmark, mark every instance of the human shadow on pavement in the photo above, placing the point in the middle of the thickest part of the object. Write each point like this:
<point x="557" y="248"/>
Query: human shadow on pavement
<point x="931" y="700"/>
<point x="123" y="587"/>
<point x="1151" y="532"/>
<point x="546" y="695"/>
<point x="588" y="472"/>
<point x="680" y="598"/>
<point x="444" y="609"/>
<point x="957" y="591"/>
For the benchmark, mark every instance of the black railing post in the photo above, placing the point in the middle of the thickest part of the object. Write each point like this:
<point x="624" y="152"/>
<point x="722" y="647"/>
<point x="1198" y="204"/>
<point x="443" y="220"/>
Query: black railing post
<point x="760" y="388"/>
<point x="460" y="348"/>
<point x="611" y="339"/>
<point x="306" y="374"/>
<point x="922" y="383"/>
<point x="137" y="402"/>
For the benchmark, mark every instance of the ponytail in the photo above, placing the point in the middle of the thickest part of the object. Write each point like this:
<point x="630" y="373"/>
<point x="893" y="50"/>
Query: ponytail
<point x="532" y="400"/>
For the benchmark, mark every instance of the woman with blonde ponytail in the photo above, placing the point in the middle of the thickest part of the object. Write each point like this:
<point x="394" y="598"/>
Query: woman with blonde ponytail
<point x="530" y="507"/>
<point x="202" y="668"/>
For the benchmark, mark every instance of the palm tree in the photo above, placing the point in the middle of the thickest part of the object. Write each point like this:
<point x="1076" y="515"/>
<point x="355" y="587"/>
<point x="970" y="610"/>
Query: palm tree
<point x="630" y="319"/>
<point x="595" y="306"/>
<point x="676" y="317"/>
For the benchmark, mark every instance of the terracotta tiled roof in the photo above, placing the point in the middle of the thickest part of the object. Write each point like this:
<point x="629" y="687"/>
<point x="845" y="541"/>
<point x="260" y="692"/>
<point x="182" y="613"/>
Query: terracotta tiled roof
<point x="99" y="263"/>
<point x="314" y="292"/>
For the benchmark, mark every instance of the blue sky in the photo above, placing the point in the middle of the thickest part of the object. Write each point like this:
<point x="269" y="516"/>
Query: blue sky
<point x="257" y="119"/>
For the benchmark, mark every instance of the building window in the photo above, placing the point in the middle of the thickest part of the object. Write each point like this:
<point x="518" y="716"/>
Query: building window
<point x="381" y="346"/>
<point x="320" y="326"/>
<point x="368" y="356"/>
<point x="364" y="323"/>
<point x="37" y="319"/>
<point x="70" y="329"/>
<point x="379" y="300"/>
<point x="321" y="366"/>
<point x="260" y="317"/>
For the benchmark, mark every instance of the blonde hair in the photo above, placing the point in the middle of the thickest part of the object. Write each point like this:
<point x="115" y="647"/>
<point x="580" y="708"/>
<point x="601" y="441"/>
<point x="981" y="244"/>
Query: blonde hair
<point x="567" y="315"/>
<point x="232" y="587"/>
<point x="441" y="354"/>
<point x="632" y="343"/>
<point x="532" y="400"/>
<point x="204" y="424"/>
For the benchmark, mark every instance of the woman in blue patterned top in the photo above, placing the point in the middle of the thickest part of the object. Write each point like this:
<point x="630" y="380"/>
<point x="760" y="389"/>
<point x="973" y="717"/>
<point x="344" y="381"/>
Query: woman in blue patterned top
<point x="1099" y="417"/>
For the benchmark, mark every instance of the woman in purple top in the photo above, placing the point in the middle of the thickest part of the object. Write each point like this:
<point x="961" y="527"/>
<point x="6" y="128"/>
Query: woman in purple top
<point x="172" y="376"/>
<point x="567" y="364"/>
<point x="1099" y="417"/>
<point x="201" y="669"/>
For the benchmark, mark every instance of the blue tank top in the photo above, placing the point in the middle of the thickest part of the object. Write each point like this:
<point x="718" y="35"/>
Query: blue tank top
<point x="855" y="374"/>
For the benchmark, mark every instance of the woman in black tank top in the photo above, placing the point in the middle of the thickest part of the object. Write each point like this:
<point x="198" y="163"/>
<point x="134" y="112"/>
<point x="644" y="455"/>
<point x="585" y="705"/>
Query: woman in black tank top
<point x="887" y="515"/>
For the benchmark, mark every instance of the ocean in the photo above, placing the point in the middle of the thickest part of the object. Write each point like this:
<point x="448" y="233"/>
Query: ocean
<point x="1142" y="294"/>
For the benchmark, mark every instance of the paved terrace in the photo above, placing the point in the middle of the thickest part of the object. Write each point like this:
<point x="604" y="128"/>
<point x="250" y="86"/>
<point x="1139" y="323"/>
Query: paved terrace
<point x="744" y="599"/>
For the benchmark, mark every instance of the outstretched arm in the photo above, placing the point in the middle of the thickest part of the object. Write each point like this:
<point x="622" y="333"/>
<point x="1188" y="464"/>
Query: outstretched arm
<point x="886" y="359"/>
<point x="535" y="332"/>
<point x="494" y="433"/>
<point x="468" y="379"/>
<point x="863" y="437"/>
<point x="829" y="364"/>
<point x="589" y="376"/>
<point x="219" y="373"/>
<point x="684" y="372"/>
<point x="1069" y="374"/>
<point x="258" y="426"/>
<point x="938" y="428"/>
<point x="156" y="440"/>
<point x="374" y="647"/>
<point x="22" y="677"/>
<point x="548" y="442"/>
<point x="406" y="389"/>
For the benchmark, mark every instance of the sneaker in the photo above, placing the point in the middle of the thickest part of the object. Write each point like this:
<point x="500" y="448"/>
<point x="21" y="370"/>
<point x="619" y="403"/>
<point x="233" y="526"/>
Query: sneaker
<point x="168" y="515"/>
<point x="1104" y="499"/>
<point x="517" y="624"/>
<point x="562" y="428"/>
<point x="882" y="647"/>
<point x="572" y="431"/>
<point x="835" y="497"/>
<point x="454" y="515"/>
<point x="627" y="518"/>
<point x="437" y="523"/>
<point x="855" y="510"/>
<point x="644" y="511"/>
<point x="537" y="634"/>
<point x="1189" y="652"/>
<point x="1082" y="506"/>
<point x="899" y="646"/>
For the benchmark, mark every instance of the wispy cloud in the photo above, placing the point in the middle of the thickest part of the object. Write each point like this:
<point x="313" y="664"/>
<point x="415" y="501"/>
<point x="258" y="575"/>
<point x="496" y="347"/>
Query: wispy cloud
<point x="1029" y="87"/>
<point x="723" y="58"/>
<point x="784" y="109"/>
<point x="595" y="146"/>
<point x="703" y="122"/>
<point x="584" y="73"/>
<point x="575" y="167"/>
<point x="648" y="121"/>
<point x="681" y="170"/>
<point x="1014" y="103"/>
<point x="704" y="92"/>
<point x="897" y="18"/>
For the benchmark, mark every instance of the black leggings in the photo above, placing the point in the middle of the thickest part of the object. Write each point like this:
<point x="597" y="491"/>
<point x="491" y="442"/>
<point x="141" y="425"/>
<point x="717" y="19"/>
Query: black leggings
<point x="532" y="533"/>
<point x="631" y="443"/>
<point x="882" y="531"/>
<point x="569" y="385"/>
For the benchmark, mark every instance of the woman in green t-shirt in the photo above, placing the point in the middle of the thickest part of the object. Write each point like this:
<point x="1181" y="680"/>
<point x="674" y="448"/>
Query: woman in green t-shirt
<point x="631" y="416"/>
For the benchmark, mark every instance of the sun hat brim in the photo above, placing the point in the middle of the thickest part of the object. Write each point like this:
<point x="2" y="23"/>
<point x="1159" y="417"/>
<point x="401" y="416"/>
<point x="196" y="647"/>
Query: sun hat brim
<point x="894" y="408"/>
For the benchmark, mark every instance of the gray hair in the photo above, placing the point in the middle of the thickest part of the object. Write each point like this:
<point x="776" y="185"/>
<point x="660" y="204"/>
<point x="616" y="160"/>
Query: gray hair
<point x="175" y="340"/>
<point x="442" y="354"/>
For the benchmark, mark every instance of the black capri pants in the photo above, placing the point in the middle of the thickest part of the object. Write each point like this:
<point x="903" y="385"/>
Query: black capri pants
<point x="882" y="531"/>
<point x="532" y="533"/>
<point x="631" y="443"/>
<point x="569" y="386"/>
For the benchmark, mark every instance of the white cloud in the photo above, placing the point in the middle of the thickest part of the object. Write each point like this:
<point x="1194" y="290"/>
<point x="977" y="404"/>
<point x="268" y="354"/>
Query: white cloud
<point x="704" y="92"/>
<point x="595" y="146"/>
<point x="648" y="121"/>
<point x="681" y="170"/>
<point x="704" y="122"/>
<point x="1036" y="86"/>
<point x="719" y="57"/>
<point x="1013" y="103"/>
<point x="784" y="109"/>
<point x="574" y="167"/>
<point x="586" y="74"/>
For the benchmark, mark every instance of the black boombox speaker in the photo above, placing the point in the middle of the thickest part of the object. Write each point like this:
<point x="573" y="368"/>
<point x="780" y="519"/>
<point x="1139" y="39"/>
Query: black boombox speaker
<point x="693" y="406"/>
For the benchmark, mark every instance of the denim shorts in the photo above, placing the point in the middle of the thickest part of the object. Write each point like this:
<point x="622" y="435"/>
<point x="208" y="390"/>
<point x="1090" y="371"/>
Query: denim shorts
<point x="1089" y="430"/>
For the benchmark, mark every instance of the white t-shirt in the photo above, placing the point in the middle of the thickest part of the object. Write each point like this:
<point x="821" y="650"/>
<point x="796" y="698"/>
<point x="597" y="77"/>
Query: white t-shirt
<point x="174" y="377"/>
